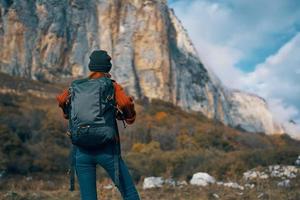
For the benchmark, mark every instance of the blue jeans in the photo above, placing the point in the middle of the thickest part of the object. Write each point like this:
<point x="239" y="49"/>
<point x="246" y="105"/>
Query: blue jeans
<point x="85" y="166"/>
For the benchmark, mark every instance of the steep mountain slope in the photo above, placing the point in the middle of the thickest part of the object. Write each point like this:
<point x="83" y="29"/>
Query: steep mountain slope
<point x="153" y="56"/>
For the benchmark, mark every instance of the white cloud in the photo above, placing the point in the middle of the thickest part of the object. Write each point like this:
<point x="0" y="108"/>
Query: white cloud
<point x="241" y="27"/>
<point x="288" y="115"/>
<point x="221" y="60"/>
<point x="224" y="36"/>
<point x="226" y="32"/>
<point x="277" y="80"/>
<point x="277" y="77"/>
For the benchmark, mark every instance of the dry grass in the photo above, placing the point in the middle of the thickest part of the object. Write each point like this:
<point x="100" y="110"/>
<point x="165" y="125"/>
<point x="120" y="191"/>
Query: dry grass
<point x="56" y="188"/>
<point x="155" y="145"/>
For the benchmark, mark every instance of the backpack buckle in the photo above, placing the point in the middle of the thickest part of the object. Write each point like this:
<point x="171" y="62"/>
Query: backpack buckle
<point x="68" y="133"/>
<point x="108" y="98"/>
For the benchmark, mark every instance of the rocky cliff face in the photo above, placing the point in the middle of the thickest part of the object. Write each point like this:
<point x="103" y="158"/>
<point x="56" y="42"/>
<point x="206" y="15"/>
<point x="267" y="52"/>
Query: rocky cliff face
<point x="152" y="54"/>
<point x="250" y="112"/>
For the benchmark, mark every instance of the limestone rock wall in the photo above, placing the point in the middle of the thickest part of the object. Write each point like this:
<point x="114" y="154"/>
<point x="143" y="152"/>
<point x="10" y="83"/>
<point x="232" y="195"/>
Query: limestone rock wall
<point x="152" y="54"/>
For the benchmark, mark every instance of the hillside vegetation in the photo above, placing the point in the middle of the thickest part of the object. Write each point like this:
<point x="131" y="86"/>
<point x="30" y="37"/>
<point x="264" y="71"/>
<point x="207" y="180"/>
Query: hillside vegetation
<point x="164" y="141"/>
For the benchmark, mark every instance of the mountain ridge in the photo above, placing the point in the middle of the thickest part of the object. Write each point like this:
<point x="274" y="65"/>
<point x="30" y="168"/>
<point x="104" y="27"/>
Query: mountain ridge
<point x="153" y="56"/>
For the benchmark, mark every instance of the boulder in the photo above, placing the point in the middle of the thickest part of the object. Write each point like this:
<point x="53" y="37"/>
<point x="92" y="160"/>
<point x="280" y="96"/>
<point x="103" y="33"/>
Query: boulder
<point x="202" y="179"/>
<point x="181" y="183"/>
<point x="152" y="182"/>
<point x="253" y="174"/>
<point x="274" y="171"/>
<point x="287" y="171"/>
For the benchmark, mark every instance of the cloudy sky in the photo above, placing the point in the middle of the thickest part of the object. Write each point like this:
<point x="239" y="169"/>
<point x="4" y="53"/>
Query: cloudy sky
<point x="252" y="45"/>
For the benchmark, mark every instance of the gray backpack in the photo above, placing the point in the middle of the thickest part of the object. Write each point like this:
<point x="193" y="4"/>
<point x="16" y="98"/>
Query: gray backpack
<point x="92" y="121"/>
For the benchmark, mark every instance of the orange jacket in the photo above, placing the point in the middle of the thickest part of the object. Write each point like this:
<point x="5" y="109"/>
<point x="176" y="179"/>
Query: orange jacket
<point x="124" y="102"/>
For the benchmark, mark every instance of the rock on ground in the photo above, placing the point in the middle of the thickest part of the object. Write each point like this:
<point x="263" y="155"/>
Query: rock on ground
<point x="284" y="183"/>
<point x="275" y="171"/>
<point x="202" y="179"/>
<point x="231" y="185"/>
<point x="152" y="182"/>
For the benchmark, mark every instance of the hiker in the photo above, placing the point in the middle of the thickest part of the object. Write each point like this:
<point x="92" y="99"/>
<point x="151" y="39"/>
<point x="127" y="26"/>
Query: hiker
<point x="92" y="106"/>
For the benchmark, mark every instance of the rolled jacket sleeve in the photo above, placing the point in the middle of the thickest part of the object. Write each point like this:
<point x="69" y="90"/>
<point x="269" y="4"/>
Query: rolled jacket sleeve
<point x="63" y="102"/>
<point x="125" y="103"/>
